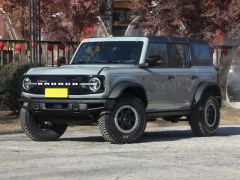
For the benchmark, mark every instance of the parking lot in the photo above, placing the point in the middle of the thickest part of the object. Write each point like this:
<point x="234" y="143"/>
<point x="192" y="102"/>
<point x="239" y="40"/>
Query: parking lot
<point x="163" y="153"/>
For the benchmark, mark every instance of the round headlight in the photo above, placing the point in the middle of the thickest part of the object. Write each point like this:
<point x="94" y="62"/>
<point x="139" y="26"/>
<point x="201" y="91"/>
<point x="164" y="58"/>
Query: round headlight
<point x="95" y="84"/>
<point x="26" y="83"/>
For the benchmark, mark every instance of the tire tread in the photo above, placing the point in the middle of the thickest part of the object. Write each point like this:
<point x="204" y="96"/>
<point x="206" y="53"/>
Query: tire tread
<point x="109" y="135"/>
<point x="34" y="132"/>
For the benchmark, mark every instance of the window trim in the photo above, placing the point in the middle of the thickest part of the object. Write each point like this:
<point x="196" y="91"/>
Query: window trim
<point x="167" y="61"/>
<point x="186" y="63"/>
<point x="194" y="59"/>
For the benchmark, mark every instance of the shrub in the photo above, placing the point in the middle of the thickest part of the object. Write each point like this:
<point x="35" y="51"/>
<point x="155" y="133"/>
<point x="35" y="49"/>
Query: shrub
<point x="11" y="77"/>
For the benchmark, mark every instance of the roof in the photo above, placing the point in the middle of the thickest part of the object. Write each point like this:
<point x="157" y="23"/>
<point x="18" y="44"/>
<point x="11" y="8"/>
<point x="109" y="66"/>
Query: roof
<point x="99" y="39"/>
<point x="144" y="38"/>
<point x="173" y="39"/>
<point x="231" y="42"/>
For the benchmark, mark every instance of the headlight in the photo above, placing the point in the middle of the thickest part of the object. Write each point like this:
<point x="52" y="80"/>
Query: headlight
<point x="94" y="84"/>
<point x="26" y="84"/>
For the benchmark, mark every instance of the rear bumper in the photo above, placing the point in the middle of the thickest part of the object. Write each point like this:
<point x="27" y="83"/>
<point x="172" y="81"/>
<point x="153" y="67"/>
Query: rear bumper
<point x="62" y="108"/>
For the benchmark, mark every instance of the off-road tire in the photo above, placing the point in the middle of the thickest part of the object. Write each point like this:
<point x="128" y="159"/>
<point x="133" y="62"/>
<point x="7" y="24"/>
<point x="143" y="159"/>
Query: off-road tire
<point x="32" y="130"/>
<point x="108" y="128"/>
<point x="198" y="120"/>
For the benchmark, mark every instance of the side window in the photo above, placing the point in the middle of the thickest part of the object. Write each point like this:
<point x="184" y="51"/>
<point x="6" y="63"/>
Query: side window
<point x="158" y="51"/>
<point x="179" y="56"/>
<point x="201" y="54"/>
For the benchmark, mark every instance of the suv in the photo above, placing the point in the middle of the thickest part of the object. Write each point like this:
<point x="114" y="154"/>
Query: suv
<point x="121" y="83"/>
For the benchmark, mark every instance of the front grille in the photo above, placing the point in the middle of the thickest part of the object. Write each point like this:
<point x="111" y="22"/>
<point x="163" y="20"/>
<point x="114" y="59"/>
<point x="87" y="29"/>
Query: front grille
<point x="68" y="79"/>
<point x="72" y="90"/>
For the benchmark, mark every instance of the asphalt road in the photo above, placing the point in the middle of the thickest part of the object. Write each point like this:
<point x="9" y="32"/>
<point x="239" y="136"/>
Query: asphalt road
<point x="164" y="153"/>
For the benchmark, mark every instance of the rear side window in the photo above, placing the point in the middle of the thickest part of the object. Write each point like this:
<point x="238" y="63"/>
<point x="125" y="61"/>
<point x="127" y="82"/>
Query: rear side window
<point x="179" y="55"/>
<point x="201" y="54"/>
<point x="158" y="51"/>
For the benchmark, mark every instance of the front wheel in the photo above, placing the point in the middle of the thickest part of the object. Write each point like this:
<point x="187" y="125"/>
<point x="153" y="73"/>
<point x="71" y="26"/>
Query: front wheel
<point x="39" y="130"/>
<point x="205" y="118"/>
<point x="126" y="123"/>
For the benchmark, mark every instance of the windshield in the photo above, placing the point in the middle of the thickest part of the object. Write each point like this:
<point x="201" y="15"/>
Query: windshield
<point x="122" y="52"/>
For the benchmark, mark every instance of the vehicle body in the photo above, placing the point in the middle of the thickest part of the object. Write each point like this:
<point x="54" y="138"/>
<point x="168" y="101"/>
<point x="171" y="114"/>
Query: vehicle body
<point x="121" y="82"/>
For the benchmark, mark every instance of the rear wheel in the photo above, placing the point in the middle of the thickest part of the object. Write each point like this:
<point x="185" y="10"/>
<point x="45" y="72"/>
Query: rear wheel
<point x="205" y="117"/>
<point x="126" y="123"/>
<point x="40" y="130"/>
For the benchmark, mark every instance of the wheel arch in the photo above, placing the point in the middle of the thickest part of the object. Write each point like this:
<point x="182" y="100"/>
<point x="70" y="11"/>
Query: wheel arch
<point x="129" y="88"/>
<point x="207" y="87"/>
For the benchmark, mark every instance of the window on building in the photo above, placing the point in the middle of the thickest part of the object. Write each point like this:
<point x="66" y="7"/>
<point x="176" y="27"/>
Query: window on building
<point x="158" y="51"/>
<point x="121" y="16"/>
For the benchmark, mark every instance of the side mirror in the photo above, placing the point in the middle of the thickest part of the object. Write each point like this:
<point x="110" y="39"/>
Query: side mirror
<point x="153" y="61"/>
<point x="217" y="67"/>
<point x="61" y="61"/>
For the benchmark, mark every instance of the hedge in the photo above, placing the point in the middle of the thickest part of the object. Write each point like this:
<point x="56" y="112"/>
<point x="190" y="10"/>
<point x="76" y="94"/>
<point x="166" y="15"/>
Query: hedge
<point x="11" y="76"/>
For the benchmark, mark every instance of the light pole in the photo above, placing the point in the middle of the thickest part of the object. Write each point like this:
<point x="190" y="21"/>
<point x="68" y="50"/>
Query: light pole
<point x="35" y="33"/>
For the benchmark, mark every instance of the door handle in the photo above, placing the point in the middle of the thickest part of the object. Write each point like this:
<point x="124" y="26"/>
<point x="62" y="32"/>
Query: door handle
<point x="170" y="77"/>
<point x="193" y="77"/>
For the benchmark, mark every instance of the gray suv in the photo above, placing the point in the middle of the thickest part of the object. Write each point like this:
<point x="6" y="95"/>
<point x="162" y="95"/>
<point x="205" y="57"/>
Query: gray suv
<point x="121" y="83"/>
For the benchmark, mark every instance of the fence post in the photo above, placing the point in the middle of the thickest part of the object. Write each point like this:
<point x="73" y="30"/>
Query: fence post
<point x="57" y="51"/>
<point x="64" y="52"/>
<point x="53" y="57"/>
<point x="68" y="53"/>
<point x="13" y="47"/>
<point x="7" y="52"/>
<point x="1" y="58"/>
<point x="46" y="48"/>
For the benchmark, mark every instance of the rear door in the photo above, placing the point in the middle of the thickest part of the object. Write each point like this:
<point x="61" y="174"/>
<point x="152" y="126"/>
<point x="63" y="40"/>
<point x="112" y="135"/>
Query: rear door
<point x="202" y="61"/>
<point x="185" y="76"/>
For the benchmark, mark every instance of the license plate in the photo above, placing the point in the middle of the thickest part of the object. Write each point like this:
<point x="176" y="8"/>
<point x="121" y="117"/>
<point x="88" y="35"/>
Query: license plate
<point x="56" y="92"/>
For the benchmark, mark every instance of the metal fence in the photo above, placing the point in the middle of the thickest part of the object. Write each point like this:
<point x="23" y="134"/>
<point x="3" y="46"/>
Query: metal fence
<point x="19" y="50"/>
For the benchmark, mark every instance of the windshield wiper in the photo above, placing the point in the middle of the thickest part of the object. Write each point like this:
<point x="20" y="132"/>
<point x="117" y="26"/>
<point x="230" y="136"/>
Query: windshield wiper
<point x="83" y="62"/>
<point x="80" y="61"/>
<point x="112" y="61"/>
<point x="106" y="62"/>
<point x="122" y="61"/>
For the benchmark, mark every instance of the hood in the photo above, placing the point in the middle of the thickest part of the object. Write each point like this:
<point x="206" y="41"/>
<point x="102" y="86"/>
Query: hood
<point x="73" y="69"/>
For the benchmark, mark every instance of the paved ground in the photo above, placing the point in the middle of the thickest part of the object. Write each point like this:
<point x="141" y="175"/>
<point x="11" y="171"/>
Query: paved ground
<point x="9" y="123"/>
<point x="164" y="153"/>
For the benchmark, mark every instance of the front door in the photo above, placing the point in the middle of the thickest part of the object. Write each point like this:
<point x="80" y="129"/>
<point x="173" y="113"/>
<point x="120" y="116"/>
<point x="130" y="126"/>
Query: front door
<point x="159" y="79"/>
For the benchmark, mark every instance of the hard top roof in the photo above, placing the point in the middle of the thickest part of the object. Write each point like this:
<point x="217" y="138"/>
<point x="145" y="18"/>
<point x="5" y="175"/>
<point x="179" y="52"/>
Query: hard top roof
<point x="168" y="39"/>
<point x="173" y="39"/>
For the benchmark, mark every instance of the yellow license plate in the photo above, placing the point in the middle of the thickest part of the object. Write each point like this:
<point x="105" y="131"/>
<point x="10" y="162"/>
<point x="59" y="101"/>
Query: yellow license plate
<point x="56" y="92"/>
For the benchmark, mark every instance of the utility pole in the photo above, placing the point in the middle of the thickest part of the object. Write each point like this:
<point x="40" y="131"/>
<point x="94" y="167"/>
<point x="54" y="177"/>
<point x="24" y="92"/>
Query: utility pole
<point x="35" y="33"/>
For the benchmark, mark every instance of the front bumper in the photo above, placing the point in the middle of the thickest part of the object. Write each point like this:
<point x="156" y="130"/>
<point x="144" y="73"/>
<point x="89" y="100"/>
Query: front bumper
<point x="62" y="108"/>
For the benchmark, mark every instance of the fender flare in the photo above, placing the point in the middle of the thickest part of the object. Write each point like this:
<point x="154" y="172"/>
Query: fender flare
<point x="122" y="86"/>
<point x="202" y="88"/>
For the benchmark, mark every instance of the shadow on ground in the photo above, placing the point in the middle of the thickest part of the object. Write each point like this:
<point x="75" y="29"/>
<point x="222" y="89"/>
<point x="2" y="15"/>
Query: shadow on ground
<point x="84" y="139"/>
<point x="169" y="135"/>
<point x="8" y="117"/>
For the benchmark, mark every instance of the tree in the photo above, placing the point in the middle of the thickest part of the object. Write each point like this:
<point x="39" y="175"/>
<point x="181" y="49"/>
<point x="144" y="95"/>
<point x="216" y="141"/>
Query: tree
<point x="17" y="12"/>
<point x="64" y="18"/>
<point x="189" y="18"/>
<point x="70" y="17"/>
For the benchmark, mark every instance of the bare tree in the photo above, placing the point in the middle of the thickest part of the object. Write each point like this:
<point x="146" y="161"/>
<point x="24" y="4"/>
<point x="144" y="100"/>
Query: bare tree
<point x="65" y="18"/>
<point x="189" y="18"/>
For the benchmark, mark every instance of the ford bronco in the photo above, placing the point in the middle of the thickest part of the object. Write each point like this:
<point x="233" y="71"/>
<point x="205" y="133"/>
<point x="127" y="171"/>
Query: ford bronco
<point x="121" y="83"/>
